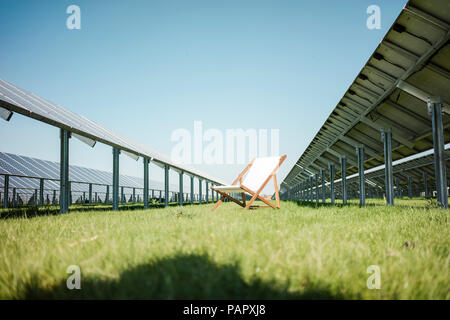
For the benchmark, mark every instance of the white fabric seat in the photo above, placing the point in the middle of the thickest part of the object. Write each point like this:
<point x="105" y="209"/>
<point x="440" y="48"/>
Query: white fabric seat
<point x="260" y="170"/>
<point x="229" y="188"/>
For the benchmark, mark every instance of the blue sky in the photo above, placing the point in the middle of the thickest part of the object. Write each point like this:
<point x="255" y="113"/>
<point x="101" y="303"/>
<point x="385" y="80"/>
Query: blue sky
<point x="147" y="68"/>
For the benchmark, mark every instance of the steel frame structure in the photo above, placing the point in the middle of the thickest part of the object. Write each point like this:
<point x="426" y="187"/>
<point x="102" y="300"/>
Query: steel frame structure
<point x="404" y="78"/>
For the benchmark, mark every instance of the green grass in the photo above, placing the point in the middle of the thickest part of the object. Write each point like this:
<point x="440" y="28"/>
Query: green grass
<point x="296" y="252"/>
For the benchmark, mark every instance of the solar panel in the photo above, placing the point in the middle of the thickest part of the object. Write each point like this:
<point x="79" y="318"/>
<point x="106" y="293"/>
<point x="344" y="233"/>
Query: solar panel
<point x="31" y="105"/>
<point x="28" y="177"/>
<point x="415" y="51"/>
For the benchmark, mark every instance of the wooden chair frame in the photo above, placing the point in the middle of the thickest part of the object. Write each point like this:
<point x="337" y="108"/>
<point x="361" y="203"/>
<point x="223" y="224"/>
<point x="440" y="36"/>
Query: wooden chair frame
<point x="255" y="195"/>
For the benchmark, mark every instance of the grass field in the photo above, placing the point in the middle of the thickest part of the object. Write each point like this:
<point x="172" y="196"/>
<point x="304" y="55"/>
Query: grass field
<point x="297" y="252"/>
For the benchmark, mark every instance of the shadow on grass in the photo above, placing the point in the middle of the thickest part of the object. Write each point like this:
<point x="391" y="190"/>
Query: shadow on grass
<point x="36" y="211"/>
<point x="405" y="203"/>
<point x="179" y="277"/>
<point x="314" y="204"/>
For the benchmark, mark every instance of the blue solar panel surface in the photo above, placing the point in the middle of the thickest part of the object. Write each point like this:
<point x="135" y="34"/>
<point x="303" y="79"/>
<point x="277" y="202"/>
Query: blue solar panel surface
<point x="31" y="105"/>
<point x="30" y="170"/>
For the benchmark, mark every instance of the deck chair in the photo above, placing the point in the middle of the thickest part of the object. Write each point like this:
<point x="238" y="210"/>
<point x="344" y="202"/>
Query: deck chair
<point x="253" y="180"/>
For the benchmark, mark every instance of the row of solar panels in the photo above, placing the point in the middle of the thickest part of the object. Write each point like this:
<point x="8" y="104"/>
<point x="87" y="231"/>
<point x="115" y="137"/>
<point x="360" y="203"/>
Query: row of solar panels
<point x="26" y="190"/>
<point x="416" y="168"/>
<point x="15" y="99"/>
<point x="26" y="171"/>
<point x="411" y="63"/>
<point x="29" y="185"/>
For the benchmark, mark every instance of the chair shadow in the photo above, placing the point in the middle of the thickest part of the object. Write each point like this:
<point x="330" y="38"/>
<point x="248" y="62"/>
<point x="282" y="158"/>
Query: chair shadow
<point x="180" y="277"/>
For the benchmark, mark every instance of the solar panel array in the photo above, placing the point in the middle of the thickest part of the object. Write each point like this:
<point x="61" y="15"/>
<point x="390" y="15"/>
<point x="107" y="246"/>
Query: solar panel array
<point x="415" y="52"/>
<point x="18" y="100"/>
<point x="25" y="173"/>
<point x="413" y="168"/>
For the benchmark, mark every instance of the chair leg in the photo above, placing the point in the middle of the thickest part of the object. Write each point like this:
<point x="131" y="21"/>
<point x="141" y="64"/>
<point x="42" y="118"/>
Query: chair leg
<point x="277" y="195"/>
<point x="250" y="202"/>
<point x="268" y="203"/>
<point x="218" y="203"/>
<point x="226" y="195"/>
<point x="257" y="196"/>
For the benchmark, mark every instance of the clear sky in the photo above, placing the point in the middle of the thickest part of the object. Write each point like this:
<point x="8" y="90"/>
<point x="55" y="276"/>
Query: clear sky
<point x="147" y="68"/>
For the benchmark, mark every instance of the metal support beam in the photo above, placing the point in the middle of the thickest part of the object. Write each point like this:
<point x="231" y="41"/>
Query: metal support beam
<point x="397" y="187"/>
<point x="361" y="180"/>
<point x="311" y="199"/>
<point x="107" y="195"/>
<point x="344" y="179"/>
<point x="41" y="192"/>
<point x="305" y="185"/>
<point x="70" y="195"/>
<point x="115" y="191"/>
<point x="145" y="182"/>
<point x="322" y="173"/>
<point x="332" y="196"/>
<point x="317" y="188"/>
<point x="64" y="172"/>
<point x="166" y="185"/>
<point x="306" y="190"/>
<point x="410" y="195"/>
<point x="122" y="195"/>
<point x="435" y="110"/>
<point x="425" y="184"/>
<point x="192" y="190"/>
<point x="302" y="191"/>
<point x="90" y="194"/>
<point x="14" y="203"/>
<point x="206" y="191"/>
<point x="5" y="191"/>
<point x="199" y="191"/>
<point x="389" y="177"/>
<point x="181" y="197"/>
